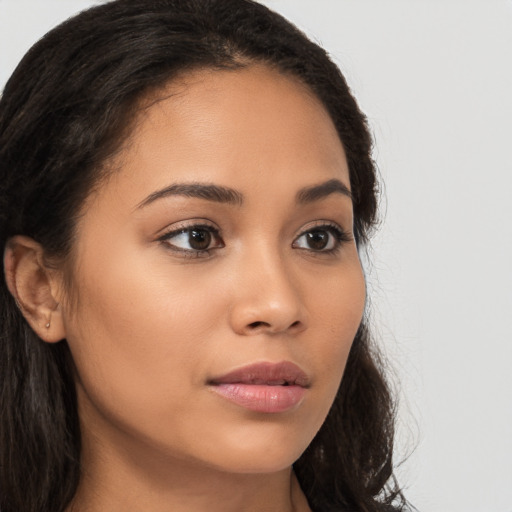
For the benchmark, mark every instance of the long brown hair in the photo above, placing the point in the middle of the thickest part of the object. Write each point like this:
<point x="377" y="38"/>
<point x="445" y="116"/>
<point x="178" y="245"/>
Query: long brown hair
<point x="65" y="110"/>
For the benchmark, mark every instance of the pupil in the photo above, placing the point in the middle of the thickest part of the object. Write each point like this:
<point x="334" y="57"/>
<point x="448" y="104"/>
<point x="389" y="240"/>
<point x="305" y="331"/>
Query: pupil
<point x="318" y="240"/>
<point x="199" y="239"/>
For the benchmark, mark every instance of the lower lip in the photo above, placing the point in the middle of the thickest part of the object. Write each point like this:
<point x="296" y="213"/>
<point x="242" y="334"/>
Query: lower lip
<point x="261" y="398"/>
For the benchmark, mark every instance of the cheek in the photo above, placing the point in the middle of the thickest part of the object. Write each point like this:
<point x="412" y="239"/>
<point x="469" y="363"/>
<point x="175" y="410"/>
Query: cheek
<point x="137" y="332"/>
<point x="337" y="310"/>
<point x="139" y="302"/>
<point x="338" y="302"/>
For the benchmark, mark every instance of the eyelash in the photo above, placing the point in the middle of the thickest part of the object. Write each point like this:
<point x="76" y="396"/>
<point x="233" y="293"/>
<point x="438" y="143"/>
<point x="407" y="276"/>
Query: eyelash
<point x="192" y="253"/>
<point x="340" y="238"/>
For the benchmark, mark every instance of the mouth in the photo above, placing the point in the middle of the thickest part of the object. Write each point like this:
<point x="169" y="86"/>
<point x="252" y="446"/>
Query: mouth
<point x="263" y="387"/>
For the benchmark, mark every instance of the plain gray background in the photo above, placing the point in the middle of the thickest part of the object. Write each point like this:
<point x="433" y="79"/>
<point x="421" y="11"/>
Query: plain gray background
<point x="435" y="79"/>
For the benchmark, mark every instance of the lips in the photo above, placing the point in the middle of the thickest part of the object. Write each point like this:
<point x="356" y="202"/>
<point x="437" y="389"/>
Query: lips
<point x="263" y="387"/>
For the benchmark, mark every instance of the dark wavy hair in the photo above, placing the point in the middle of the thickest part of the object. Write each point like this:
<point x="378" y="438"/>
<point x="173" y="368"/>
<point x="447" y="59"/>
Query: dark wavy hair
<point x="67" y="108"/>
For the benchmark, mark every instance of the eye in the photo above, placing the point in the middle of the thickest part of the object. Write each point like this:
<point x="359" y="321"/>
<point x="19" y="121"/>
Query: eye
<point x="326" y="238"/>
<point x="197" y="239"/>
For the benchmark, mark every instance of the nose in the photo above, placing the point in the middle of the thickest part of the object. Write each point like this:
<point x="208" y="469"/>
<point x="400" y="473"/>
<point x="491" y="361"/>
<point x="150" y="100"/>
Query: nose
<point x="267" y="299"/>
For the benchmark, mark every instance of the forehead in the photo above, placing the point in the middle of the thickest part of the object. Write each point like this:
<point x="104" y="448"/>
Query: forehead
<point x="241" y="128"/>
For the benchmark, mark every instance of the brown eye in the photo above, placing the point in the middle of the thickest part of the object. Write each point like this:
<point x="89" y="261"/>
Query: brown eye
<point x="199" y="239"/>
<point x="195" y="239"/>
<point x="317" y="240"/>
<point x="321" y="239"/>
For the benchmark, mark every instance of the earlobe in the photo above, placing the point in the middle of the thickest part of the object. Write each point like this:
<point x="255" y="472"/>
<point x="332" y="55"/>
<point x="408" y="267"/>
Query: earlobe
<point x="33" y="286"/>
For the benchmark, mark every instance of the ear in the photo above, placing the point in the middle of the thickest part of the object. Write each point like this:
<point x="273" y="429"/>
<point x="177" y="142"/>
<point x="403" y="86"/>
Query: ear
<point x="35" y="287"/>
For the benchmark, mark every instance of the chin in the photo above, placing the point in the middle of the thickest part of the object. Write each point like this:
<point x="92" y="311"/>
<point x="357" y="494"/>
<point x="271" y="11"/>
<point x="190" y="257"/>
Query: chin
<point x="260" y="452"/>
<point x="261" y="463"/>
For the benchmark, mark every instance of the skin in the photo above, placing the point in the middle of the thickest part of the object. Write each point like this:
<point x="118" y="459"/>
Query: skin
<point x="150" y="321"/>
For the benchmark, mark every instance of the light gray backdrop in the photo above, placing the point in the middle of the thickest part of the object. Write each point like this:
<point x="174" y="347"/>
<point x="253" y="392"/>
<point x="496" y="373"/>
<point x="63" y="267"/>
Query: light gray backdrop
<point x="435" y="78"/>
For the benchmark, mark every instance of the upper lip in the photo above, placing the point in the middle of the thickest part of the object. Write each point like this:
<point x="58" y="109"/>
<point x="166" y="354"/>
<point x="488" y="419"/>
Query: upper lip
<point x="284" y="373"/>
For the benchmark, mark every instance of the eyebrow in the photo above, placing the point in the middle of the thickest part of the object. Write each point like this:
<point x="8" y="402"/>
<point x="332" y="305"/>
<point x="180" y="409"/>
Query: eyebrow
<point x="226" y="195"/>
<point x="209" y="192"/>
<point x="321" y="191"/>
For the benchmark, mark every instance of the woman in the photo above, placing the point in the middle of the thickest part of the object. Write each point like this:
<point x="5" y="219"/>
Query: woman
<point x="186" y="186"/>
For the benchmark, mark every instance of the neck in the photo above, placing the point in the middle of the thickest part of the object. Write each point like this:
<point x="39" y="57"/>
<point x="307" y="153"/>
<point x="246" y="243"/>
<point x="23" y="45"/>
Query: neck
<point x="191" y="491"/>
<point x="117" y="478"/>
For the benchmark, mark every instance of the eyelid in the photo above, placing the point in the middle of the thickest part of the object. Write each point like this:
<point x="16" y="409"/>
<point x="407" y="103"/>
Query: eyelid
<point x="324" y="224"/>
<point x="189" y="225"/>
<point x="341" y="236"/>
<point x="186" y="224"/>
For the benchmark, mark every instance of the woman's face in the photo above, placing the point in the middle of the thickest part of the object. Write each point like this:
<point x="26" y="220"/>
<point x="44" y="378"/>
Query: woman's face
<point x="217" y="280"/>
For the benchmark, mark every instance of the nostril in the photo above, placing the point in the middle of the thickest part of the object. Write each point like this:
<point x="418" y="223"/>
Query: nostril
<point x="256" y="325"/>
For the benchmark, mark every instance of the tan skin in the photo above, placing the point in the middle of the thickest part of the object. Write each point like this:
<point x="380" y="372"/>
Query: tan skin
<point x="151" y="318"/>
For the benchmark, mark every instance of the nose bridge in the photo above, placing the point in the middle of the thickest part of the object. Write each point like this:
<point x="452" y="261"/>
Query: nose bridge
<point x="268" y="297"/>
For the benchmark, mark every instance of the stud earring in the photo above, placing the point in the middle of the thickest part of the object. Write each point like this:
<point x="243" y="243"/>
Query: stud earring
<point x="47" y="325"/>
